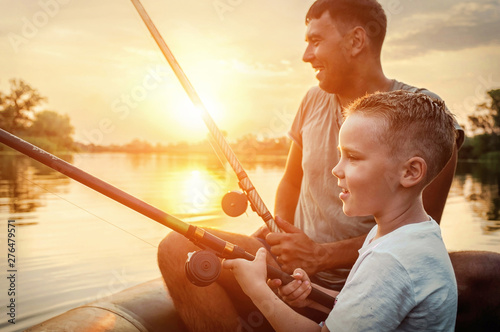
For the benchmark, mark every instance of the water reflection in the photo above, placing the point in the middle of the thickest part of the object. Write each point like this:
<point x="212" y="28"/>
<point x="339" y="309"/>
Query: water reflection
<point x="23" y="181"/>
<point x="191" y="186"/>
<point x="479" y="183"/>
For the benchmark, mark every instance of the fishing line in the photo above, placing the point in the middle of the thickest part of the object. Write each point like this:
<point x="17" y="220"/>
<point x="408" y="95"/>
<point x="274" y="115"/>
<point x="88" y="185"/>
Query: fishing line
<point x="87" y="211"/>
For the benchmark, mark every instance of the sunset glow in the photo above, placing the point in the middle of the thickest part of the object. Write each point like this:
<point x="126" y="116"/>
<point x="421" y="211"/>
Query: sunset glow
<point x="97" y="62"/>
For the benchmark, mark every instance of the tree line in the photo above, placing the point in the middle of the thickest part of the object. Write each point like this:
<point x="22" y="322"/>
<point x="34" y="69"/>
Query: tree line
<point x="249" y="144"/>
<point x="484" y="143"/>
<point x="22" y="114"/>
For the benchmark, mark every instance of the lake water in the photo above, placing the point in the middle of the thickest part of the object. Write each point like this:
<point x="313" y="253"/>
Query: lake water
<point x="74" y="245"/>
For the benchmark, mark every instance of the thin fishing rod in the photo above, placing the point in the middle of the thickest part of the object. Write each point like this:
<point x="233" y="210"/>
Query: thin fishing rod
<point x="198" y="236"/>
<point x="246" y="185"/>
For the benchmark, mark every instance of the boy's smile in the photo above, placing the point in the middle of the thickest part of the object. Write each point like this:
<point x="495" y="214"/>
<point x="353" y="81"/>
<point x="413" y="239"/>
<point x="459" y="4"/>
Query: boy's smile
<point x="344" y="194"/>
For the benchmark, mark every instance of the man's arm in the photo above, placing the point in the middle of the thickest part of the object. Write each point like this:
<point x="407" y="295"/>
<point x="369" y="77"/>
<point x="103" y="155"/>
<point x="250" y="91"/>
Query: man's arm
<point x="435" y="194"/>
<point x="287" y="194"/>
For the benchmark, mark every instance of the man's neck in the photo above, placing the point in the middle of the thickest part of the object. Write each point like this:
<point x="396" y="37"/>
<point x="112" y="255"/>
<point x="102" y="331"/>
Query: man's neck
<point x="365" y="84"/>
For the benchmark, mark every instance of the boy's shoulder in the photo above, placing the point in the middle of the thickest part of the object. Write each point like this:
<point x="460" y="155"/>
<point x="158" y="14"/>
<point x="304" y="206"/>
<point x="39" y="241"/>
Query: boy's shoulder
<point x="416" y="247"/>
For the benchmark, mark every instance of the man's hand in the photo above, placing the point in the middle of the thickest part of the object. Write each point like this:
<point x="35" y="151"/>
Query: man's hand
<point x="294" y="249"/>
<point x="261" y="232"/>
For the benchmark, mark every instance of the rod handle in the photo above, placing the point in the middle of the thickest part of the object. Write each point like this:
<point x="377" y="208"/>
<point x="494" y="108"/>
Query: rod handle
<point x="224" y="249"/>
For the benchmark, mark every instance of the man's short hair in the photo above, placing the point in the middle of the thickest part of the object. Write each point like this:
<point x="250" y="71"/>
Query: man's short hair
<point x="368" y="14"/>
<point x="415" y="125"/>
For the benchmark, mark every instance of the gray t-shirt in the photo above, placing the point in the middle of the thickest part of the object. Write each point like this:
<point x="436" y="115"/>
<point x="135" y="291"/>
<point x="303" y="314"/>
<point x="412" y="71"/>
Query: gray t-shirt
<point x="403" y="281"/>
<point x="319" y="210"/>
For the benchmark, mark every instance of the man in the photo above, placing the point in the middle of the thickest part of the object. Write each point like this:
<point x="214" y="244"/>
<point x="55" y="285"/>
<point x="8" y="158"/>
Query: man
<point x="344" y="41"/>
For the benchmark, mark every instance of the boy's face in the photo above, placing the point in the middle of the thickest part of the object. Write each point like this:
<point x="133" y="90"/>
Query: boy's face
<point x="367" y="173"/>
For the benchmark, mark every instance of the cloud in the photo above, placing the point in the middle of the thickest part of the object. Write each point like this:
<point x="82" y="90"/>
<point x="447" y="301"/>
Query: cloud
<point x="465" y="25"/>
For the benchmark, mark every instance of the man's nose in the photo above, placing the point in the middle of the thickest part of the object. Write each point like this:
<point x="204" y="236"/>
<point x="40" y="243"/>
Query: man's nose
<point x="308" y="54"/>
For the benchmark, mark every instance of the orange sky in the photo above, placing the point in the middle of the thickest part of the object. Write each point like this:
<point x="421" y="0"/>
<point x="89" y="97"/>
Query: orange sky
<point x="96" y="61"/>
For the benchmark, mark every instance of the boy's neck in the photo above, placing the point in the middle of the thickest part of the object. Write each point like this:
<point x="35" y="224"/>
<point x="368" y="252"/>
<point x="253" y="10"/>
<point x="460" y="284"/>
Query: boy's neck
<point x="407" y="214"/>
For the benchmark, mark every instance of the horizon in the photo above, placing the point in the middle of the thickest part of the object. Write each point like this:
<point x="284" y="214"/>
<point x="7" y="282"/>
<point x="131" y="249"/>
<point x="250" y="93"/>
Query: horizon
<point x="97" y="62"/>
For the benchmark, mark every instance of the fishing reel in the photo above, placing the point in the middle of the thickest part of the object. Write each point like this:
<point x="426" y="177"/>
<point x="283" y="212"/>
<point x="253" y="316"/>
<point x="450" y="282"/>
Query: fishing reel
<point x="234" y="203"/>
<point x="202" y="267"/>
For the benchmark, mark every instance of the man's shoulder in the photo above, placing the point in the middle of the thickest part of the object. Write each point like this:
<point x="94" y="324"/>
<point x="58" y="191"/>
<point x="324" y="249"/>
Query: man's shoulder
<point x="403" y="86"/>
<point x="318" y="99"/>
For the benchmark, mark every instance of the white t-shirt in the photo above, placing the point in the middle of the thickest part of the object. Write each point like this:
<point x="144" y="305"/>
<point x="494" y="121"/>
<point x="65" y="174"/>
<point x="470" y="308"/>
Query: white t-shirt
<point x="319" y="210"/>
<point x="403" y="281"/>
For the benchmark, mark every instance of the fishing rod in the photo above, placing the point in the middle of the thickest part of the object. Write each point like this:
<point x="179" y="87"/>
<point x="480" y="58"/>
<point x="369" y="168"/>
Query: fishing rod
<point x="232" y="203"/>
<point x="202" y="267"/>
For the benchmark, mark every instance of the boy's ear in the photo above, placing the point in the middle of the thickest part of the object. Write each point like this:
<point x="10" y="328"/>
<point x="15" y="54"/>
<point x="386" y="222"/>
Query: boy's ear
<point x="414" y="171"/>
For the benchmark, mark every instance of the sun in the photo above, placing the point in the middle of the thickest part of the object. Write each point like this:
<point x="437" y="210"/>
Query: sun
<point x="189" y="116"/>
<point x="184" y="121"/>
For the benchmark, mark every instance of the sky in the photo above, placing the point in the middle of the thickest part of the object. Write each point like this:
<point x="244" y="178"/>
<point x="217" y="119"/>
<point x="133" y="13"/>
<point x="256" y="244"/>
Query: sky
<point x="96" y="61"/>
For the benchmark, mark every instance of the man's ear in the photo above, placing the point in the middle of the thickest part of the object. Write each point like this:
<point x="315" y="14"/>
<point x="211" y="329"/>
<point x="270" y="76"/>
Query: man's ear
<point x="414" y="172"/>
<point x="355" y="41"/>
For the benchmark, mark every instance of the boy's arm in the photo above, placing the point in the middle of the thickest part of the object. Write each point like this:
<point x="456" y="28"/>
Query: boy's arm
<point x="251" y="275"/>
<point x="280" y="315"/>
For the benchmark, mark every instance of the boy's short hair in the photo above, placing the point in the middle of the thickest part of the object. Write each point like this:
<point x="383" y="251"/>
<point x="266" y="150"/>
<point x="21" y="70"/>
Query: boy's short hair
<point x="368" y="14"/>
<point x="415" y="124"/>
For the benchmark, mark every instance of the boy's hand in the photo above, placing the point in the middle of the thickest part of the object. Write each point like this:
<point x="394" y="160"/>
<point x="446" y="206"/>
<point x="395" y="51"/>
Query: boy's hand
<point x="294" y="249"/>
<point x="251" y="275"/>
<point x="296" y="292"/>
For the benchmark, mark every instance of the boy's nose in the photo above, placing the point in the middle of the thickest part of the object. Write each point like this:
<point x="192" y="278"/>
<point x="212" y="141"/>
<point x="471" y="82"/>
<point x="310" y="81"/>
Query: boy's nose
<point x="337" y="171"/>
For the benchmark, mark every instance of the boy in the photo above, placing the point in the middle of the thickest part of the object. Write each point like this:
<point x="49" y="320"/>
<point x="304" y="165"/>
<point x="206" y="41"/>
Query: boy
<point x="392" y="145"/>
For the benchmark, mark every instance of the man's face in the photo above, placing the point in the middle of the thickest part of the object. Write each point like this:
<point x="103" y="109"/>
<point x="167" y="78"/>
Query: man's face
<point x="326" y="53"/>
